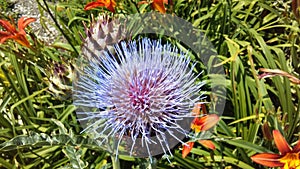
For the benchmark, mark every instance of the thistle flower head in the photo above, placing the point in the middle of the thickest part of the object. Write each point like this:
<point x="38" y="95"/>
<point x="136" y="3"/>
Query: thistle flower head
<point x="143" y="96"/>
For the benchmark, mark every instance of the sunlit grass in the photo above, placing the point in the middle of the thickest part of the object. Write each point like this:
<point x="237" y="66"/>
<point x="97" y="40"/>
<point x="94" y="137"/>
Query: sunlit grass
<point x="38" y="123"/>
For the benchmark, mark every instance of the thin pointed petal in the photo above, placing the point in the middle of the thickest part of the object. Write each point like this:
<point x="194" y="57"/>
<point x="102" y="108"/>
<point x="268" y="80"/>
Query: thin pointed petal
<point x="166" y="1"/>
<point x="187" y="149"/>
<point x="208" y="144"/>
<point x="21" y="39"/>
<point x="196" y="125"/>
<point x="92" y="5"/>
<point x="142" y="2"/>
<point x="267" y="159"/>
<point x="4" y="38"/>
<point x="281" y="143"/>
<point x="159" y="5"/>
<point x="205" y="122"/>
<point x="22" y="23"/>
<point x="109" y="4"/>
<point x="8" y="26"/>
<point x="4" y="34"/>
<point x="112" y="6"/>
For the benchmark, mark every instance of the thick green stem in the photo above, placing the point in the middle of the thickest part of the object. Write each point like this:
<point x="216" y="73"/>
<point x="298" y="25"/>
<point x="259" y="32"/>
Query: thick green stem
<point x="115" y="162"/>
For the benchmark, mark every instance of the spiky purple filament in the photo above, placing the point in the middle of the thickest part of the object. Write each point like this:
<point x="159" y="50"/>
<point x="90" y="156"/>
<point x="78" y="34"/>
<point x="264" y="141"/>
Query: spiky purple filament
<point x="139" y="95"/>
<point x="143" y="94"/>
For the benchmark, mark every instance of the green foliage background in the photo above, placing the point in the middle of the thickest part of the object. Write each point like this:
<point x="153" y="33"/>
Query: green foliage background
<point x="38" y="125"/>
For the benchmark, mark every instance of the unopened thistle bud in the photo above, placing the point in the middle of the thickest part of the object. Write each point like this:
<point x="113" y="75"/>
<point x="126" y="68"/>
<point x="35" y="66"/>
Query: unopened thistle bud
<point x="101" y="36"/>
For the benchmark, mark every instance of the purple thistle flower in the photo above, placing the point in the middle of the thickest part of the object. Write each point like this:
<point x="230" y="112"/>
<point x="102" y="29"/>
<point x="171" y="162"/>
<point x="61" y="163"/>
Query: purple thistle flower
<point x="143" y="97"/>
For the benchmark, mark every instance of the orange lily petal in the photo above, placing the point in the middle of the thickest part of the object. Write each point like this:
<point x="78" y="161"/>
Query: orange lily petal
<point x="159" y="5"/>
<point x="205" y="122"/>
<point x="142" y="2"/>
<point x="7" y="26"/>
<point x="166" y="1"/>
<point x="297" y="147"/>
<point x="22" y="23"/>
<point x="281" y="143"/>
<point x="208" y="144"/>
<point x="196" y="127"/>
<point x="187" y="149"/>
<point x="4" y="34"/>
<point x="4" y="38"/>
<point x="12" y="33"/>
<point x="109" y="4"/>
<point x="92" y="5"/>
<point x="21" y="39"/>
<point x="267" y="159"/>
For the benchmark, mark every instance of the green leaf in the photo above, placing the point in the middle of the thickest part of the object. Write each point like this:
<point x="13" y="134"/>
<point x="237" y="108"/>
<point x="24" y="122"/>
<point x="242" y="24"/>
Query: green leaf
<point x="247" y="145"/>
<point x="247" y="118"/>
<point x="4" y="163"/>
<point x="74" y="157"/>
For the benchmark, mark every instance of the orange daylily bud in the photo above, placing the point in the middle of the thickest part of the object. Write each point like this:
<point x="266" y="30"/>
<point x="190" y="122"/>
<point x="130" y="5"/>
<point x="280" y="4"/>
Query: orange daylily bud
<point x="295" y="8"/>
<point x="266" y="131"/>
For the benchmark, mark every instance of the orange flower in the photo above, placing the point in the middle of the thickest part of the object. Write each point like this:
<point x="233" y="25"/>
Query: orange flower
<point x="12" y="33"/>
<point x="287" y="159"/>
<point x="204" y="123"/>
<point x="187" y="148"/>
<point x="109" y="4"/>
<point x="159" y="5"/>
<point x="201" y="124"/>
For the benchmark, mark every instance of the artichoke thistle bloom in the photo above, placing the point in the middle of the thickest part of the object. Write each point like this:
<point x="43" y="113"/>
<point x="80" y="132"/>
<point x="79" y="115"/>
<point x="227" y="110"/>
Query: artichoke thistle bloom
<point x="143" y="97"/>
